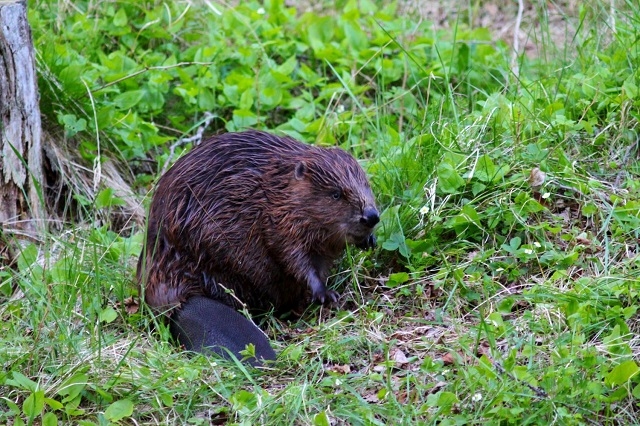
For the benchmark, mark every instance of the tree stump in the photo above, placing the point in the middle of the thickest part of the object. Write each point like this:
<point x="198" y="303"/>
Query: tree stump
<point x="21" y="170"/>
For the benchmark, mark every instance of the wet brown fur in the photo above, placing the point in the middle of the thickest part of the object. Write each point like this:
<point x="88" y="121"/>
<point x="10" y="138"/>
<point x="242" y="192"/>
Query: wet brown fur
<point x="253" y="213"/>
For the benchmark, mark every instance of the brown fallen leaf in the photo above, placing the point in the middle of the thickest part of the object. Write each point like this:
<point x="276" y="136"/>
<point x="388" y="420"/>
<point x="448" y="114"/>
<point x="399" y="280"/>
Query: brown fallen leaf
<point x="371" y="396"/>
<point x="399" y="357"/>
<point x="340" y="369"/>
<point x="537" y="177"/>
<point x="378" y="357"/>
<point x="131" y="305"/>
<point x="484" y="349"/>
<point x="404" y="397"/>
<point x="520" y="305"/>
<point x="448" y="359"/>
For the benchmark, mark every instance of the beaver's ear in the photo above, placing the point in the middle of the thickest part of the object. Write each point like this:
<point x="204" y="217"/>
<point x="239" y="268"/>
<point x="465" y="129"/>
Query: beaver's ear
<point x="301" y="169"/>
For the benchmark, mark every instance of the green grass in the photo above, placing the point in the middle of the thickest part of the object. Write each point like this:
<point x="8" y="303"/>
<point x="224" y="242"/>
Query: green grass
<point x="491" y="298"/>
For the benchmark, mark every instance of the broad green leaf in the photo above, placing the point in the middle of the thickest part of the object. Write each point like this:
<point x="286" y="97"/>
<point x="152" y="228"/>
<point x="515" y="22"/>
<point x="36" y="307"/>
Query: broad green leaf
<point x="34" y="404"/>
<point x="449" y="181"/>
<point x="128" y="99"/>
<point x="321" y="419"/>
<point x="246" y="100"/>
<point x="477" y="188"/>
<point x="514" y="244"/>
<point x="120" y="18"/>
<point x="167" y="398"/>
<point x="467" y="217"/>
<point x="495" y="318"/>
<point x="355" y="36"/>
<point x="636" y="391"/>
<point x="20" y="380"/>
<point x="106" y="198"/>
<point x="49" y="419"/>
<point x="442" y="400"/>
<point x="396" y="242"/>
<point x="119" y="410"/>
<point x="320" y="32"/>
<point x="294" y="352"/>
<point x="470" y="214"/>
<point x="447" y="399"/>
<point x="287" y="67"/>
<point x="487" y="367"/>
<point x="397" y="279"/>
<point x="105" y="115"/>
<point x="68" y="77"/>
<point x="72" y="124"/>
<point x="206" y="99"/>
<point x="71" y="406"/>
<point x="534" y="153"/>
<point x="72" y="386"/>
<point x="26" y="261"/>
<point x="527" y="204"/>
<point x="485" y="169"/>
<point x="419" y="246"/>
<point x="589" y="209"/>
<point x="244" y="119"/>
<point x="108" y="315"/>
<point x="630" y="87"/>
<point x="53" y="404"/>
<point x="271" y="97"/>
<point x="243" y="399"/>
<point x="367" y="6"/>
<point x="622" y="373"/>
<point x="13" y="407"/>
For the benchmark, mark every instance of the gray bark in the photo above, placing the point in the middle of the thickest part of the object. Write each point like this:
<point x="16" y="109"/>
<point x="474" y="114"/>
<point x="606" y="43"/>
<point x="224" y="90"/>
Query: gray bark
<point x="21" y="171"/>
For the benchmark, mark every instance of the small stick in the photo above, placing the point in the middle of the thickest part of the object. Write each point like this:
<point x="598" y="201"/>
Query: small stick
<point x="196" y="139"/>
<point x="516" y="43"/>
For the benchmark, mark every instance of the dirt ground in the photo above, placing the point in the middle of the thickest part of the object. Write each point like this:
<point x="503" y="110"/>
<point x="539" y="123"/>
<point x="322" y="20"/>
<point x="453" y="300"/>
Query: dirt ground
<point x="540" y="21"/>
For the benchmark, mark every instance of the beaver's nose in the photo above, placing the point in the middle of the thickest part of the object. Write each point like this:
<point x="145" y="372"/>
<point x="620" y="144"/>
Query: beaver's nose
<point x="370" y="217"/>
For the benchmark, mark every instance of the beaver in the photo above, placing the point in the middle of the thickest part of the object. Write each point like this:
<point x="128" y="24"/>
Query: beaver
<point x="250" y="219"/>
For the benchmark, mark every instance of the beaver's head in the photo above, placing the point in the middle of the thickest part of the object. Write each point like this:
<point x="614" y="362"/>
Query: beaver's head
<point x="337" y="197"/>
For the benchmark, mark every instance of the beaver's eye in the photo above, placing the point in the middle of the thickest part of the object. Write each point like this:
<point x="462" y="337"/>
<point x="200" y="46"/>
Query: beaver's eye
<point x="336" y="194"/>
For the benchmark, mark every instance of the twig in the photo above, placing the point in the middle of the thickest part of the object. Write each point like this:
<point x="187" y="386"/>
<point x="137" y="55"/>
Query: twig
<point x="97" y="162"/>
<point x="516" y="42"/>
<point x="145" y="69"/>
<point x="612" y="15"/>
<point x="624" y="163"/>
<point x="196" y="139"/>
<point x="540" y="393"/>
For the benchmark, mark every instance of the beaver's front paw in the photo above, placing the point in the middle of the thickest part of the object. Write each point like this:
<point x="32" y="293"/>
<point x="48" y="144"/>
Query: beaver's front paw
<point x="325" y="296"/>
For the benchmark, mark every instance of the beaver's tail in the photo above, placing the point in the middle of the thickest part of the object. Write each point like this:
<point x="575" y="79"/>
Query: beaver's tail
<point x="209" y="326"/>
